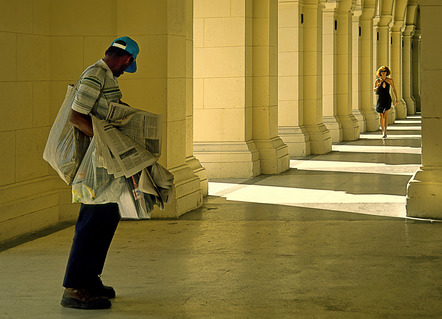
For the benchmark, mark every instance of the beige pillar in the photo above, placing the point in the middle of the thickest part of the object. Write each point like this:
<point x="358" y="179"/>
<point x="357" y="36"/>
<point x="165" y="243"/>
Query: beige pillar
<point x="356" y="69"/>
<point x="290" y="95"/>
<point x="320" y="139"/>
<point x="425" y="189"/>
<point x="376" y="19"/>
<point x="396" y="68"/>
<point x="416" y="68"/>
<point x="343" y="80"/>
<point x="273" y="152"/>
<point x="223" y="93"/>
<point x="329" y="65"/>
<point x="383" y="52"/>
<point x="162" y="85"/>
<point x="406" y="69"/>
<point x="192" y="162"/>
<point x="367" y="69"/>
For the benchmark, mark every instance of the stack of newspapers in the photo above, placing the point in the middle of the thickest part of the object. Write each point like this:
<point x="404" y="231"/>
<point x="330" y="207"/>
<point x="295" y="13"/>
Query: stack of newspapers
<point x="121" y="165"/>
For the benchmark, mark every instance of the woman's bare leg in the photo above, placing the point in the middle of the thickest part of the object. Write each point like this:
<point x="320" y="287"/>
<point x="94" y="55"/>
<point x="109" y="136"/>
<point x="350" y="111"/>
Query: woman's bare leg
<point x="381" y="119"/>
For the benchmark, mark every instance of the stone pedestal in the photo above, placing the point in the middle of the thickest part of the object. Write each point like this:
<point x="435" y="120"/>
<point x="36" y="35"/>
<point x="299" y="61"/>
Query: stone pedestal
<point x="166" y="51"/>
<point x="424" y="195"/>
<point x="320" y="139"/>
<point x="290" y="69"/>
<point x="273" y="152"/>
<point x="350" y="126"/>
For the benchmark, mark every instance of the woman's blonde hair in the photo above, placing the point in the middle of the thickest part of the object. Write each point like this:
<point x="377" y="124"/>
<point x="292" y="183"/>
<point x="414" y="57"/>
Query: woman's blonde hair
<point x="383" y="68"/>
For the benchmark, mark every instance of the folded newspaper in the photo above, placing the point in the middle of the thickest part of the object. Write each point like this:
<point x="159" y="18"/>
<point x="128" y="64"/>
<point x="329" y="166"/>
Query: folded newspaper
<point x="121" y="163"/>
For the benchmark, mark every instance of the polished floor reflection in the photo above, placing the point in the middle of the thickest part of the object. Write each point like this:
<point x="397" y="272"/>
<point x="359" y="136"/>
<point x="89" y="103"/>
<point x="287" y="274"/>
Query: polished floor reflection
<point x="326" y="239"/>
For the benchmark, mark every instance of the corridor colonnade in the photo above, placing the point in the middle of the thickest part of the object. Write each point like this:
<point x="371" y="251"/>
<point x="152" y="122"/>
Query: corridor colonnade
<point x="242" y="85"/>
<point x="328" y="53"/>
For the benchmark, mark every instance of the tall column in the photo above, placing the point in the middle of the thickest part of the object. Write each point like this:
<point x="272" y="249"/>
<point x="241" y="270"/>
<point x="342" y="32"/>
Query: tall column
<point x="163" y="88"/>
<point x="320" y="139"/>
<point x="406" y="69"/>
<point x="223" y="89"/>
<point x="416" y="68"/>
<point x="375" y="30"/>
<point x="329" y="106"/>
<point x="424" y="198"/>
<point x="383" y="52"/>
<point x="356" y="69"/>
<point x="192" y="162"/>
<point x="343" y="80"/>
<point x="273" y="152"/>
<point x="367" y="70"/>
<point x="290" y="96"/>
<point x="396" y="68"/>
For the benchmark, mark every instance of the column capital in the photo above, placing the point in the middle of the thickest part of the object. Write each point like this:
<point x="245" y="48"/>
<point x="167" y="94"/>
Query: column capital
<point x="385" y="20"/>
<point x="397" y="26"/>
<point x="330" y="6"/>
<point x="417" y="34"/>
<point x="357" y="11"/>
<point x="409" y="30"/>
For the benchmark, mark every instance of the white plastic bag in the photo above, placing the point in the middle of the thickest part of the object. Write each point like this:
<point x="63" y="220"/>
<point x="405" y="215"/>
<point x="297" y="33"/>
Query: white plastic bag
<point x="66" y="145"/>
<point x="93" y="184"/>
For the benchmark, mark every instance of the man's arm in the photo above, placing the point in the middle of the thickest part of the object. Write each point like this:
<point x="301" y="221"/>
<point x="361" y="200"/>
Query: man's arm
<point x="82" y="122"/>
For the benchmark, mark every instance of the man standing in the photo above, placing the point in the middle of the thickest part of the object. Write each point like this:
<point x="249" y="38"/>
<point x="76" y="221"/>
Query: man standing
<point x="96" y="224"/>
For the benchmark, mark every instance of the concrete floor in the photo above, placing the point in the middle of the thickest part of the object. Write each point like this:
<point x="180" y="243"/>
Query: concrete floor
<point x="327" y="239"/>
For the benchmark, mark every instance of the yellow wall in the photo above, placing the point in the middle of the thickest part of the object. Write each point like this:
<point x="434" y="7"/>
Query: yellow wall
<point x="46" y="45"/>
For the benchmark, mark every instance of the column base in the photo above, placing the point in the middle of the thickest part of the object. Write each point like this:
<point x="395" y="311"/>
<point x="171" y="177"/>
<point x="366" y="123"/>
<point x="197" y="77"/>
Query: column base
<point x="274" y="156"/>
<point x="187" y="194"/>
<point x="361" y="120"/>
<point x="296" y="138"/>
<point x="199" y="171"/>
<point x="424" y="194"/>
<point x="320" y="139"/>
<point x="371" y="119"/>
<point x="411" y="106"/>
<point x="335" y="127"/>
<point x="228" y="160"/>
<point x="401" y="110"/>
<point x="350" y="127"/>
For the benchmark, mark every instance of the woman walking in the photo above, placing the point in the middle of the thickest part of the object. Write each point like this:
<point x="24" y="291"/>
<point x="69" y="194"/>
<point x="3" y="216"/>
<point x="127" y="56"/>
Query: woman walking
<point x="382" y="89"/>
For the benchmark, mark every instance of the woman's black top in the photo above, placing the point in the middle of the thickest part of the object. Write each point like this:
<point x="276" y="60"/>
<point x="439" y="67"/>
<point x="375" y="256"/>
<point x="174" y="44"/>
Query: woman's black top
<point x="384" y="99"/>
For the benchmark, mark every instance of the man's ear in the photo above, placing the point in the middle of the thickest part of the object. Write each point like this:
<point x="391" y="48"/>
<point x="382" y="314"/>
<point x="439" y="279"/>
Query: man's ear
<point x="128" y="58"/>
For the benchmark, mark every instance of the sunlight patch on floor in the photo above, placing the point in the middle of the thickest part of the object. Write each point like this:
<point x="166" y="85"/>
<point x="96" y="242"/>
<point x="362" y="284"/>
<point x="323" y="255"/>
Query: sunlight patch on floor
<point x="390" y="137"/>
<point x="354" y="167"/>
<point x="376" y="149"/>
<point x="407" y="122"/>
<point x="404" y="128"/>
<point x="372" y="204"/>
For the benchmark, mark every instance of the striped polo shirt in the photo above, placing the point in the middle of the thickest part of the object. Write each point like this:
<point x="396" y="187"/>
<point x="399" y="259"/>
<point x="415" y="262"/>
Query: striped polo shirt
<point x="96" y="79"/>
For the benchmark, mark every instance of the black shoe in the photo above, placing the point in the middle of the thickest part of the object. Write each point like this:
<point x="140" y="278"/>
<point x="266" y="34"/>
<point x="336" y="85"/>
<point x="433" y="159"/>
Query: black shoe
<point x="101" y="290"/>
<point x="105" y="291"/>
<point x="84" y="299"/>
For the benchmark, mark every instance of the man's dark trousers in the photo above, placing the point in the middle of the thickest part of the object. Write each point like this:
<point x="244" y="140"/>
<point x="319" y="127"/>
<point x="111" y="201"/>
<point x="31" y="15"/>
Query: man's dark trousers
<point x="94" y="231"/>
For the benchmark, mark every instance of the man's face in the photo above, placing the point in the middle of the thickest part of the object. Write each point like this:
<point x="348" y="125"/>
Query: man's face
<point x="124" y="63"/>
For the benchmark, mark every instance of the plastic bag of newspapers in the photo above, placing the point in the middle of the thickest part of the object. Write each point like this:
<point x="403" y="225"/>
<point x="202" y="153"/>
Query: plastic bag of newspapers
<point x="66" y="145"/>
<point x="93" y="184"/>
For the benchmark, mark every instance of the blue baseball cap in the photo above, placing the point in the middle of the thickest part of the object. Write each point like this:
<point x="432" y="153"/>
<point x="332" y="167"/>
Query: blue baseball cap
<point x="130" y="46"/>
